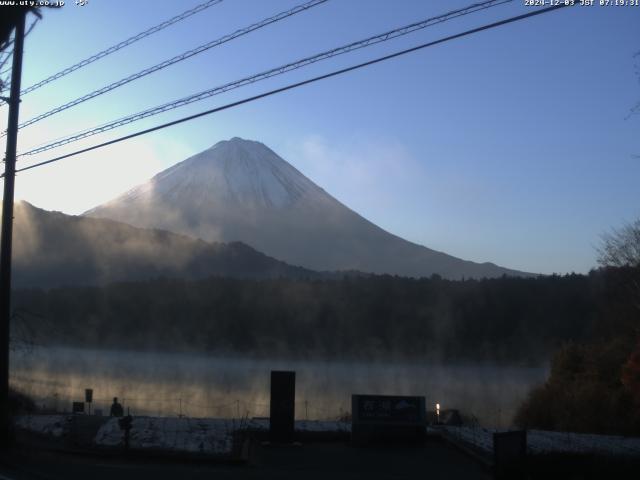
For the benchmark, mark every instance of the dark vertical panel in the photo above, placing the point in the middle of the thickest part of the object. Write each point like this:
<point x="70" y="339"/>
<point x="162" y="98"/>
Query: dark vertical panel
<point x="282" y="408"/>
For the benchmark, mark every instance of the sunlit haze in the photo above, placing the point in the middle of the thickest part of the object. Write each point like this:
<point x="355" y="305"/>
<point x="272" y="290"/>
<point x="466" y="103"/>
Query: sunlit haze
<point x="513" y="146"/>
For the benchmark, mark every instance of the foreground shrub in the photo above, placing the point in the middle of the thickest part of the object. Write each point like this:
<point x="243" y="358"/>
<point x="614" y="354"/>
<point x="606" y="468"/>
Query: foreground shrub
<point x="585" y="392"/>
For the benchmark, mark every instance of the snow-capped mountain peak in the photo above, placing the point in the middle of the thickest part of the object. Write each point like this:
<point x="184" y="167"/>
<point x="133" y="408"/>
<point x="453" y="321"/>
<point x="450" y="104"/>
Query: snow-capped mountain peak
<point x="236" y="171"/>
<point x="240" y="190"/>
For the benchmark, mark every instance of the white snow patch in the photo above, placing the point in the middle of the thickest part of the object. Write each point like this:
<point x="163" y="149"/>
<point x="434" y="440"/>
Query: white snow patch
<point x="480" y="438"/>
<point x="544" y="442"/>
<point x="54" y="425"/>
<point x="235" y="170"/>
<point x="540" y="441"/>
<point x="194" y="435"/>
<point x="210" y="436"/>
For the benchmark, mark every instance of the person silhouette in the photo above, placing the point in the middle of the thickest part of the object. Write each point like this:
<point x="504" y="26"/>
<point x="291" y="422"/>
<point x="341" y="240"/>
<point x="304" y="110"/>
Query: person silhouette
<point x="116" y="408"/>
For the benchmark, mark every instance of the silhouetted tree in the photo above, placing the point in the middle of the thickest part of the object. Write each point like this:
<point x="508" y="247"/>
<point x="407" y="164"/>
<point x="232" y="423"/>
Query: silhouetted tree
<point x="621" y="247"/>
<point x="631" y="375"/>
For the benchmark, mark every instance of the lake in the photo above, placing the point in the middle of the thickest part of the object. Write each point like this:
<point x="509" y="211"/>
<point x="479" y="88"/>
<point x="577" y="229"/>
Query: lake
<point x="200" y="385"/>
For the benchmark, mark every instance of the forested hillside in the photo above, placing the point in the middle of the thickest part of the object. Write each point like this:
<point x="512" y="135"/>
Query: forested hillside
<point x="505" y="319"/>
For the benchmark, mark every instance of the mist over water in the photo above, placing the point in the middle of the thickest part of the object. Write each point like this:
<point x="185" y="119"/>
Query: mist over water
<point x="199" y="385"/>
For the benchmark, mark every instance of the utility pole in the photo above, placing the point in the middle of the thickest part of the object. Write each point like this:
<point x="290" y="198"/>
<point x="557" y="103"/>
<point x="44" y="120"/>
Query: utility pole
<point x="7" y="228"/>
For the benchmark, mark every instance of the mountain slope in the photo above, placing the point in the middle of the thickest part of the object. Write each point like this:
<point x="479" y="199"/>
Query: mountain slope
<point x="54" y="249"/>
<point x="240" y="190"/>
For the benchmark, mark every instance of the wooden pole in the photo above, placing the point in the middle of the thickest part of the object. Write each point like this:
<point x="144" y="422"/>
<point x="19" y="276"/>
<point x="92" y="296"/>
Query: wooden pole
<point x="7" y="229"/>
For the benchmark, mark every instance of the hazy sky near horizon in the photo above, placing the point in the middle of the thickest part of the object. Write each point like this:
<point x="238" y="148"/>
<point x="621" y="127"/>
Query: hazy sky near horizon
<point x="513" y="145"/>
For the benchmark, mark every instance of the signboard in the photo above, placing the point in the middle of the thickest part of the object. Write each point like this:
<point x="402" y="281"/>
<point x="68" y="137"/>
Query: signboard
<point x="78" y="407"/>
<point x="88" y="395"/>
<point x="282" y="407"/>
<point x="387" y="419"/>
<point x="387" y="409"/>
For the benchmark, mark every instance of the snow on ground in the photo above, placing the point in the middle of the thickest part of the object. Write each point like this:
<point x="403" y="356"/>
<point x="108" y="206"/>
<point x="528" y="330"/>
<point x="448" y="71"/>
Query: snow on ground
<point x="543" y="442"/>
<point x="550" y="442"/>
<point x="212" y="436"/>
<point x="479" y="437"/>
<point x="260" y="424"/>
<point x="54" y="425"/>
<point x="194" y="435"/>
<point x="215" y="436"/>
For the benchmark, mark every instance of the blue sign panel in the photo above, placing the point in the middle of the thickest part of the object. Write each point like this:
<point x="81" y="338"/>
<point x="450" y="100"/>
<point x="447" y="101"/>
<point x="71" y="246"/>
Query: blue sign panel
<point x="388" y="409"/>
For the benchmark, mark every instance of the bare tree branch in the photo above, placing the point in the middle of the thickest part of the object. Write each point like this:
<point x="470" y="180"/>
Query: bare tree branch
<point x="621" y="247"/>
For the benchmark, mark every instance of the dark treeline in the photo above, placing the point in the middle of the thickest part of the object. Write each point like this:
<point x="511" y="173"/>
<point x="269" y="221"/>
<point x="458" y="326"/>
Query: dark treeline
<point x="515" y="320"/>
<point x="594" y="384"/>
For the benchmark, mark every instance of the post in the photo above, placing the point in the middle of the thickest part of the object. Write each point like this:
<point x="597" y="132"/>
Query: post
<point x="282" y="407"/>
<point x="88" y="397"/>
<point x="7" y="229"/>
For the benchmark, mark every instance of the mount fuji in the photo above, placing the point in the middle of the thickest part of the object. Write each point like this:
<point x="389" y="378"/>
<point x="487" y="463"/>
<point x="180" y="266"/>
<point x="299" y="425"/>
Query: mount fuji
<point x="240" y="190"/>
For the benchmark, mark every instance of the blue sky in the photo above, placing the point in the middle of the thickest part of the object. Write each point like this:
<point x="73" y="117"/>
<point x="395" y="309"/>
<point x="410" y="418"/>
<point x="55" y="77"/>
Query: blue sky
<point x="512" y="145"/>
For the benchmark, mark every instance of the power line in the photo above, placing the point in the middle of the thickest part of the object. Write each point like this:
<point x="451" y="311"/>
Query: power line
<point x="3" y="86"/>
<point x="122" y="44"/>
<point x="270" y="73"/>
<point x="300" y="84"/>
<point x="383" y="37"/>
<point x="3" y="61"/>
<point x="178" y="58"/>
